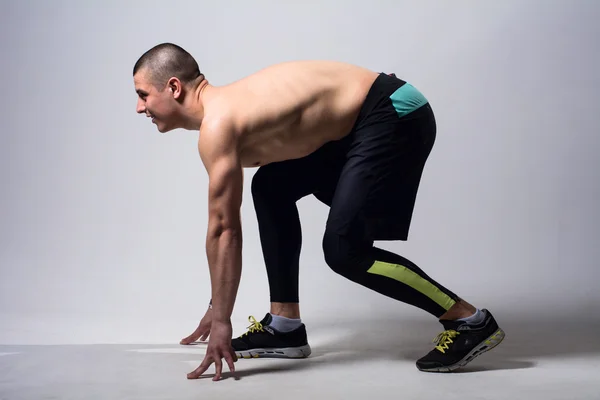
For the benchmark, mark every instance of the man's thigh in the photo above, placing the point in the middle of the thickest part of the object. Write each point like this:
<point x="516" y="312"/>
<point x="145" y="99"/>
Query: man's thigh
<point x="377" y="187"/>
<point x="315" y="174"/>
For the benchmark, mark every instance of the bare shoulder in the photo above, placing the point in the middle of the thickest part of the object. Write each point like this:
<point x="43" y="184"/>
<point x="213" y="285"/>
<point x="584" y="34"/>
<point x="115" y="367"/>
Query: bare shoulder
<point x="217" y="140"/>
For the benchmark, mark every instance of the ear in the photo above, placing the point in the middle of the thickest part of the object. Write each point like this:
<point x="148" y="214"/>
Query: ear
<point x="174" y="85"/>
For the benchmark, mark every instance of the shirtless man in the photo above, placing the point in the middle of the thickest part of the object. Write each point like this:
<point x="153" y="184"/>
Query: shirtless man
<point x="355" y="139"/>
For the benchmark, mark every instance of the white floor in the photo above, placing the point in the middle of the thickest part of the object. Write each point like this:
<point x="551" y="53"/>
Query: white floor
<point x="539" y="359"/>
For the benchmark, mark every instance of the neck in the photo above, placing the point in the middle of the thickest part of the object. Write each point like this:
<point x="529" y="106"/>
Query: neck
<point x="194" y="110"/>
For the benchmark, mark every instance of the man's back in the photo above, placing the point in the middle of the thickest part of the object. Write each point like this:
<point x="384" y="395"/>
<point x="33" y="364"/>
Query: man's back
<point x="290" y="109"/>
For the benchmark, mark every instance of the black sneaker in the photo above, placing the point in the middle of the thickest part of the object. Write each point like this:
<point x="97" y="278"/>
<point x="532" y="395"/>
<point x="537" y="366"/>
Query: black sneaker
<point x="262" y="340"/>
<point x="460" y="343"/>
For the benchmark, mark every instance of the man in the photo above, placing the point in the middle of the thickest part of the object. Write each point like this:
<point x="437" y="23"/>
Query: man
<point x="358" y="141"/>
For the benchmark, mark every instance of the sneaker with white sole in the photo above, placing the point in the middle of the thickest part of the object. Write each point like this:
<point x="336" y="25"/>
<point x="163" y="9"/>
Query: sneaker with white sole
<point x="262" y="340"/>
<point x="460" y="343"/>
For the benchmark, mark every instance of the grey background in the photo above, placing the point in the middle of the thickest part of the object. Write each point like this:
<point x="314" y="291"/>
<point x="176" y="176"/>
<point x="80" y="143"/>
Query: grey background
<point x="103" y="219"/>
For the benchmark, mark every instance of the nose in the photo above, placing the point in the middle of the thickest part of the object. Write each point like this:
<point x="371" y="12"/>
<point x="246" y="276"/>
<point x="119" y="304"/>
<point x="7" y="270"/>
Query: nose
<point x="140" y="107"/>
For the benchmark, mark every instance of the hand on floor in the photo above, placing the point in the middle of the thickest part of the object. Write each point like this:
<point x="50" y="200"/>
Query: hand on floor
<point x="202" y="331"/>
<point x="219" y="347"/>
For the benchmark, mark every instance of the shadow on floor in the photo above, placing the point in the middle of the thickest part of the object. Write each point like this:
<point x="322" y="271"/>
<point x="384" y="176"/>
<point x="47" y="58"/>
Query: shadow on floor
<point x="528" y="338"/>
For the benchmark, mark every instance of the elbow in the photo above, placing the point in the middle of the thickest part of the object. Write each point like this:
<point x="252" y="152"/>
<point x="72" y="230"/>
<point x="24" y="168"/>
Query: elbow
<point x="225" y="238"/>
<point x="231" y="232"/>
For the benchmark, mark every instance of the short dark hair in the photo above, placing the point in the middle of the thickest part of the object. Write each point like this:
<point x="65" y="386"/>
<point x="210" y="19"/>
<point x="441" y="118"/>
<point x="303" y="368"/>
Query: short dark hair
<point x="167" y="60"/>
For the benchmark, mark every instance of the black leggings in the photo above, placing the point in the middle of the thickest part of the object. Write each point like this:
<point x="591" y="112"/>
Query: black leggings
<point x="369" y="179"/>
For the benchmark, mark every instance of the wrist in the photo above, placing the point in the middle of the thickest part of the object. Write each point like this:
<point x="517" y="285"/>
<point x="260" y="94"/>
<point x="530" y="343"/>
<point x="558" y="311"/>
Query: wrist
<point x="221" y="321"/>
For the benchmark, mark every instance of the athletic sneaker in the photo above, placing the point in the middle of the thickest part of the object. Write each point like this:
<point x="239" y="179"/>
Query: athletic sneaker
<point x="262" y="340"/>
<point x="460" y="343"/>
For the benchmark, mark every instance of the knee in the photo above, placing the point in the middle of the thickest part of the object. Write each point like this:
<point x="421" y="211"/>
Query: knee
<point x="265" y="185"/>
<point x="260" y="181"/>
<point x="338" y="253"/>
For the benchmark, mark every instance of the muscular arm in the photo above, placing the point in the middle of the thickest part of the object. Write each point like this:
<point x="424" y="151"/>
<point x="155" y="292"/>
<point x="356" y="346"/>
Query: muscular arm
<point x="218" y="150"/>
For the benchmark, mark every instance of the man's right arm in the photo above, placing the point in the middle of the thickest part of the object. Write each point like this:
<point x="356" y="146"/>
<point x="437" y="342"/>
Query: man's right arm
<point x="219" y="152"/>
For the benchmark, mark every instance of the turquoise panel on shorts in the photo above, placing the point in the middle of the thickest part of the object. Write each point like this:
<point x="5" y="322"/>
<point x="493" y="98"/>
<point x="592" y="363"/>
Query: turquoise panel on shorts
<point x="407" y="99"/>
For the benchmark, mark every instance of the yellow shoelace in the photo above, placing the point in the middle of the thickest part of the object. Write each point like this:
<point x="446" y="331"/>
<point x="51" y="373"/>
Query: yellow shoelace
<point x="444" y="339"/>
<point x="255" y="326"/>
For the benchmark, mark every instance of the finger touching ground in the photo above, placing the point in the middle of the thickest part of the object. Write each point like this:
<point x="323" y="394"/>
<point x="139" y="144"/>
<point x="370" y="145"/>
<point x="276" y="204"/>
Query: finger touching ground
<point x="191" y="338"/>
<point x="218" y="369"/>
<point x="188" y="340"/>
<point x="195" y="374"/>
<point x="230" y="360"/>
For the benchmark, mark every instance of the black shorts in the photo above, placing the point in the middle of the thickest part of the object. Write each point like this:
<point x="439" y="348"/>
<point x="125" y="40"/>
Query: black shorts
<point x="370" y="177"/>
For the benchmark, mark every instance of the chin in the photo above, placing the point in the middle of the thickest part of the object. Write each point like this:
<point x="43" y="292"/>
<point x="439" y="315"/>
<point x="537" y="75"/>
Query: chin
<point x="162" y="129"/>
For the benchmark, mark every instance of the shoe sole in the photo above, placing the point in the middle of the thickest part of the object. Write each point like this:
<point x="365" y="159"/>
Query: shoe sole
<point x="492" y="341"/>
<point x="286" y="352"/>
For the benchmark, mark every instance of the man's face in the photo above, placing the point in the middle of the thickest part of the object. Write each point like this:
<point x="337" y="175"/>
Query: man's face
<point x="156" y="104"/>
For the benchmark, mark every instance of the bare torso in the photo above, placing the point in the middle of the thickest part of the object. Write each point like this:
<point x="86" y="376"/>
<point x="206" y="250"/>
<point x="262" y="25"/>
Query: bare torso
<point x="289" y="110"/>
